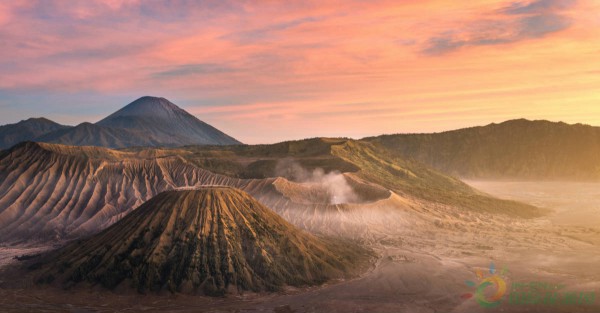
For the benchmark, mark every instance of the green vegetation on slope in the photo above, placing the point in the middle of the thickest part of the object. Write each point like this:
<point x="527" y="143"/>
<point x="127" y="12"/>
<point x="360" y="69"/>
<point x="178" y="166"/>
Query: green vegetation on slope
<point x="416" y="180"/>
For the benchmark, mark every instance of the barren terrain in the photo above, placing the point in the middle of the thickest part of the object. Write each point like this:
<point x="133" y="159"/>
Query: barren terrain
<point x="426" y="253"/>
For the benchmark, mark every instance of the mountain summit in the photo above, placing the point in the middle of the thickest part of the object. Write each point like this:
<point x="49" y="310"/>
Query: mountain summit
<point x="166" y="123"/>
<point x="147" y="106"/>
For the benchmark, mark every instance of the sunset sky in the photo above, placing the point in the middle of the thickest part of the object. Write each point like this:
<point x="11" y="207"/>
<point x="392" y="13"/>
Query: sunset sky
<point x="266" y="71"/>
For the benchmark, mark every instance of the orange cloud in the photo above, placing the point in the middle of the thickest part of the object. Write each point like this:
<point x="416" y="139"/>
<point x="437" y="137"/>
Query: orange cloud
<point x="330" y="68"/>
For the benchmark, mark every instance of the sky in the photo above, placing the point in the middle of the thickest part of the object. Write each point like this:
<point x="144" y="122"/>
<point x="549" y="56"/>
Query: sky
<point x="266" y="71"/>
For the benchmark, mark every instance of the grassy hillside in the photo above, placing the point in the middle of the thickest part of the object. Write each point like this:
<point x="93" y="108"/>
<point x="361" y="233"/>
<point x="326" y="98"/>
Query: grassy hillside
<point x="416" y="180"/>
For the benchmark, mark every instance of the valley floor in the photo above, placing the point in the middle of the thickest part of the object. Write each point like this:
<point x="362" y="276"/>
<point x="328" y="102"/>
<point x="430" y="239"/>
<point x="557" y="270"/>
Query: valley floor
<point x="424" y="265"/>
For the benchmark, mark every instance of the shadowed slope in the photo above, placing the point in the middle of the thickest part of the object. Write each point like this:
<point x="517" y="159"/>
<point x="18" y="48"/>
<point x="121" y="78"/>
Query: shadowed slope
<point x="516" y="149"/>
<point x="30" y="129"/>
<point x="87" y="134"/>
<point x="210" y="240"/>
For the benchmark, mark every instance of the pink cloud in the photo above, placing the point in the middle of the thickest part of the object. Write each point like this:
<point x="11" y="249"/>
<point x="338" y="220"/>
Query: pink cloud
<point x="299" y="62"/>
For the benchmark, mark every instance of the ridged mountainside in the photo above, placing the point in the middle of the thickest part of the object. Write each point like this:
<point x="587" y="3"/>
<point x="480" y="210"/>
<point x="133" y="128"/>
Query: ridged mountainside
<point x="210" y="240"/>
<point x="52" y="191"/>
<point x="516" y="149"/>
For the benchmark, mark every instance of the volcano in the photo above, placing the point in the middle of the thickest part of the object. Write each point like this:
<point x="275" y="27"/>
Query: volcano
<point x="165" y="124"/>
<point x="145" y="122"/>
<point x="212" y="241"/>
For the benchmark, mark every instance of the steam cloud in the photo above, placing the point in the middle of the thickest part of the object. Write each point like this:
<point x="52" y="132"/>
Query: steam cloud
<point x="334" y="182"/>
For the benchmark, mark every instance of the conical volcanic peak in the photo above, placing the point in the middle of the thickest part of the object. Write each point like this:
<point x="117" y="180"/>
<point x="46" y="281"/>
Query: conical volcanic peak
<point x="166" y="123"/>
<point x="212" y="241"/>
<point x="148" y="106"/>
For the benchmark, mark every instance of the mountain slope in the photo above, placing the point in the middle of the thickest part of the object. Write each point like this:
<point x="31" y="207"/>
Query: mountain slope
<point x="415" y="180"/>
<point x="516" y="149"/>
<point x="12" y="134"/>
<point x="210" y="240"/>
<point x="166" y="123"/>
<point x="146" y="122"/>
<point x="51" y="192"/>
<point x="87" y="134"/>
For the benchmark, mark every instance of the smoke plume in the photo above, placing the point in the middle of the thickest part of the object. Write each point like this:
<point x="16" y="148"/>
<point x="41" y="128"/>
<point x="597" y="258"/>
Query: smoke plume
<point x="334" y="182"/>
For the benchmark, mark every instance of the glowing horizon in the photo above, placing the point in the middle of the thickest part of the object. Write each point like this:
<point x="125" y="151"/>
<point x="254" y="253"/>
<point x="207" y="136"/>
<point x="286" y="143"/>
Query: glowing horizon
<point x="266" y="71"/>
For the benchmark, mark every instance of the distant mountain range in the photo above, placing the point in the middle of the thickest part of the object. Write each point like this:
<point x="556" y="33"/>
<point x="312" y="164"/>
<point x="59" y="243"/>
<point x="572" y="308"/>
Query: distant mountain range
<point x="12" y="134"/>
<point x="147" y="121"/>
<point x="516" y="149"/>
